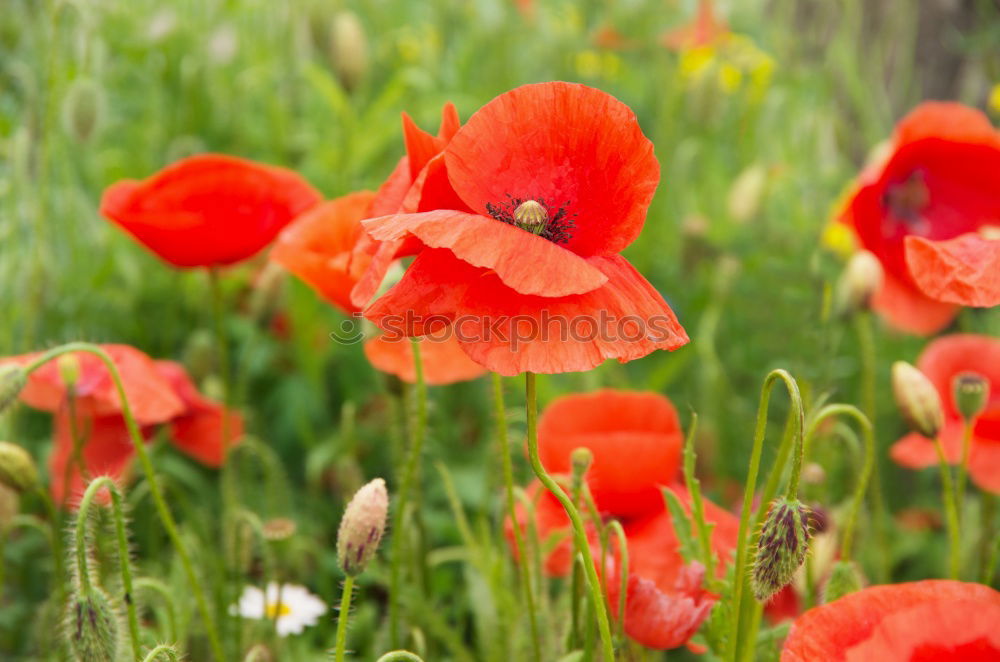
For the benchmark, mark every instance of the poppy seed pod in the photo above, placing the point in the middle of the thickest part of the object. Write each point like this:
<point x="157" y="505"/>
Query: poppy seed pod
<point x="12" y="381"/>
<point x="531" y="216"/>
<point x="917" y="399"/>
<point x="971" y="391"/>
<point x="348" y="49"/>
<point x="93" y="627"/>
<point x="362" y="527"/>
<point x="844" y="578"/>
<point x="781" y="548"/>
<point x="17" y="468"/>
<point x="861" y="279"/>
<point x="83" y="109"/>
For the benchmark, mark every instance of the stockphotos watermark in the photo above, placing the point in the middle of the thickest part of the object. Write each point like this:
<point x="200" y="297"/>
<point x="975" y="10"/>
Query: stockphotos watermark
<point x="515" y="330"/>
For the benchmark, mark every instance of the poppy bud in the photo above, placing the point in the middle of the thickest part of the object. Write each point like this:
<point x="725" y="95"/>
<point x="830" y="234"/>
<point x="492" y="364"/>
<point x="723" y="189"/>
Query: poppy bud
<point x="17" y="468"/>
<point x="917" y="399"/>
<point x="746" y="193"/>
<point x="858" y="283"/>
<point x="83" y="109"/>
<point x="93" y="627"/>
<point x="12" y="380"/>
<point x="69" y="369"/>
<point x="844" y="578"/>
<point x="348" y="49"/>
<point x="279" y="528"/>
<point x="971" y="391"/>
<point x="531" y="216"/>
<point x="781" y="548"/>
<point x="259" y="653"/>
<point x="362" y="527"/>
<point x="580" y="459"/>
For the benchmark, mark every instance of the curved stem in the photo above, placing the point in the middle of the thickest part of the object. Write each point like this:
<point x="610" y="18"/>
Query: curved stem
<point x="400" y="656"/>
<point x="158" y="587"/>
<point x="83" y="574"/>
<point x="579" y="535"/>
<point x="154" y="487"/>
<point x="524" y="567"/>
<point x="950" y="510"/>
<point x="345" y="613"/>
<point x="740" y="576"/>
<point x="162" y="649"/>
<point x="619" y="532"/>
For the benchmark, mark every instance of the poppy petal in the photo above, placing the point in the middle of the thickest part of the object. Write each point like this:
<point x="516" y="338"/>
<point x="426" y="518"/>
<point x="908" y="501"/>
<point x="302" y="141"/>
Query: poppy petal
<point x="571" y="146"/>
<point x="432" y="190"/>
<point x="964" y="270"/>
<point x="984" y="464"/>
<point x="106" y="450"/>
<point x="524" y="262"/>
<point x="420" y="146"/>
<point x="208" y="210"/>
<point x="443" y="361"/>
<point x="946" y="121"/>
<point x="390" y="195"/>
<point x="907" y="309"/>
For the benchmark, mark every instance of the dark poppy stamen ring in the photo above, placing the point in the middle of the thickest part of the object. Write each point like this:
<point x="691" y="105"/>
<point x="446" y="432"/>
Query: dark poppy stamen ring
<point x="559" y="224"/>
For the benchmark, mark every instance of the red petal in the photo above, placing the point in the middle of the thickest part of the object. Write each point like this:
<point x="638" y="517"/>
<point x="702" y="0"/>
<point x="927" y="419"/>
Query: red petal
<point x="984" y="464"/>
<point x="420" y="146"/>
<point x="947" y="356"/>
<point x="704" y="30"/>
<point x="106" y="451"/>
<point x="964" y="270"/>
<point x="450" y="123"/>
<point x="907" y="309"/>
<point x="389" y="197"/>
<point x="523" y="261"/>
<point x="635" y="438"/>
<point x="432" y="190"/>
<point x="318" y="247"/>
<point x="208" y="210"/>
<point x="946" y="121"/>
<point x="443" y="361"/>
<point x="828" y="632"/>
<point x="568" y="145"/>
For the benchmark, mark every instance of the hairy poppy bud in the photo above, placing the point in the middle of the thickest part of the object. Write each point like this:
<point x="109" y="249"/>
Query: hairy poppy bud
<point x="83" y="109"/>
<point x="844" y="578"/>
<point x="917" y="399"/>
<point x="12" y="380"/>
<point x="17" y="468"/>
<point x="93" y="627"/>
<point x="348" y="49"/>
<point x="531" y="216"/>
<point x="362" y="527"/>
<point x="782" y="547"/>
<point x="858" y="283"/>
<point x="971" y="391"/>
<point x="259" y="653"/>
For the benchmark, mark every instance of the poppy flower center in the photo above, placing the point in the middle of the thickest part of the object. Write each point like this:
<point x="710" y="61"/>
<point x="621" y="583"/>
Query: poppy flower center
<point x="907" y="199"/>
<point x="536" y="216"/>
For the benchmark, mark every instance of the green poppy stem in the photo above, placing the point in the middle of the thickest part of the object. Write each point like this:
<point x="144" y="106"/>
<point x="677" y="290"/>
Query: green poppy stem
<point x="950" y="510"/>
<point x="342" y="618"/>
<point x="963" y="467"/>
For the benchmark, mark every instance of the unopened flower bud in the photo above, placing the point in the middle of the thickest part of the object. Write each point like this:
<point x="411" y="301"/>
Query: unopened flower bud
<point x="93" y="627"/>
<point x="83" y="109"/>
<point x="348" y="49"/>
<point x="781" y="548"/>
<point x="279" y="528"/>
<point x="580" y="459"/>
<point x="17" y="468"/>
<point x="69" y="369"/>
<point x="971" y="391"/>
<point x="813" y="473"/>
<point x="917" y="399"/>
<point x="362" y="527"/>
<point x="818" y="519"/>
<point x="12" y="381"/>
<point x="844" y="578"/>
<point x="259" y="653"/>
<point x="861" y="279"/>
<point x="531" y="216"/>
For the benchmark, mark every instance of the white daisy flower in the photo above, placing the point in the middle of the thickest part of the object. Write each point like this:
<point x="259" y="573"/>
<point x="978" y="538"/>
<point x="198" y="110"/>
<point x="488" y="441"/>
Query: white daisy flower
<point x="294" y="606"/>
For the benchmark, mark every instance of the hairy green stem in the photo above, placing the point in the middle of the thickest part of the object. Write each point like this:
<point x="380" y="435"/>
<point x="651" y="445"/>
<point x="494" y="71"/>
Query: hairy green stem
<point x="166" y="595"/>
<point x="619" y="532"/>
<point x="950" y="510"/>
<point x="161" y="649"/>
<point x="579" y="534"/>
<point x="342" y="618"/>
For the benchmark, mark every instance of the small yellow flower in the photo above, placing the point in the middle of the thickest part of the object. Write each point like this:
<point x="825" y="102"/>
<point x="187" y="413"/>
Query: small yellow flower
<point x="994" y="101"/>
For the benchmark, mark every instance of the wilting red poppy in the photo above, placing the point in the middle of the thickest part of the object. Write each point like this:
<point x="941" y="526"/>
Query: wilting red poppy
<point x="443" y="360"/>
<point x="924" y="211"/>
<point x="704" y="30"/>
<point x="208" y="210"/>
<point x="319" y="247"/>
<point x="559" y="177"/>
<point x="937" y="619"/>
<point x="941" y="361"/>
<point x="665" y="603"/>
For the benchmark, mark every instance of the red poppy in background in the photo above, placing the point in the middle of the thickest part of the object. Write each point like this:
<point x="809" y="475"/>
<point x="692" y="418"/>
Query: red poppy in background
<point x="208" y="210"/>
<point x="559" y="177"/>
<point x="158" y="392"/>
<point x="704" y="30"/>
<point x="941" y="361"/>
<point x="936" y="619"/>
<point x="630" y="434"/>
<point x="319" y="247"/>
<point x="925" y="211"/>
<point x="443" y="361"/>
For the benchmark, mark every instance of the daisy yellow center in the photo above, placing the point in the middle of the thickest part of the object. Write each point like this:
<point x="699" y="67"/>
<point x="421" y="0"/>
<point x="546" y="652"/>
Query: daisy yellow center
<point x="277" y="609"/>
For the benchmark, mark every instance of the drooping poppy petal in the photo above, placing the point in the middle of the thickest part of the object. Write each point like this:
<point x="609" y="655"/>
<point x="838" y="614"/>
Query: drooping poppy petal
<point x="318" y="247"/>
<point x="208" y="210"/>
<point x="571" y="147"/>
<point x="891" y="623"/>
<point x="443" y="360"/>
<point x="105" y="450"/>
<point x="964" y="270"/>
<point x="502" y="248"/>
<point x="618" y="427"/>
<point x="907" y="309"/>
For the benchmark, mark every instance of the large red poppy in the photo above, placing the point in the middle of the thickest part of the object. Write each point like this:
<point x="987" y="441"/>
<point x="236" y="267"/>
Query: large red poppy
<point x="208" y="210"/>
<point x="571" y="163"/>
<point x="941" y="361"/>
<point x="925" y="210"/>
<point x="891" y="624"/>
<point x="443" y="361"/>
<point x="630" y="435"/>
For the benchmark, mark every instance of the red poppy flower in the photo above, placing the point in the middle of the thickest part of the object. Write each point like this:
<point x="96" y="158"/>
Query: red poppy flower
<point x="443" y="360"/>
<point x="941" y="361"/>
<point x="559" y="177"/>
<point x="922" y="210"/>
<point x="704" y="30"/>
<point x="665" y="603"/>
<point x="319" y="247"/>
<point x="890" y="624"/>
<point x="208" y="210"/>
